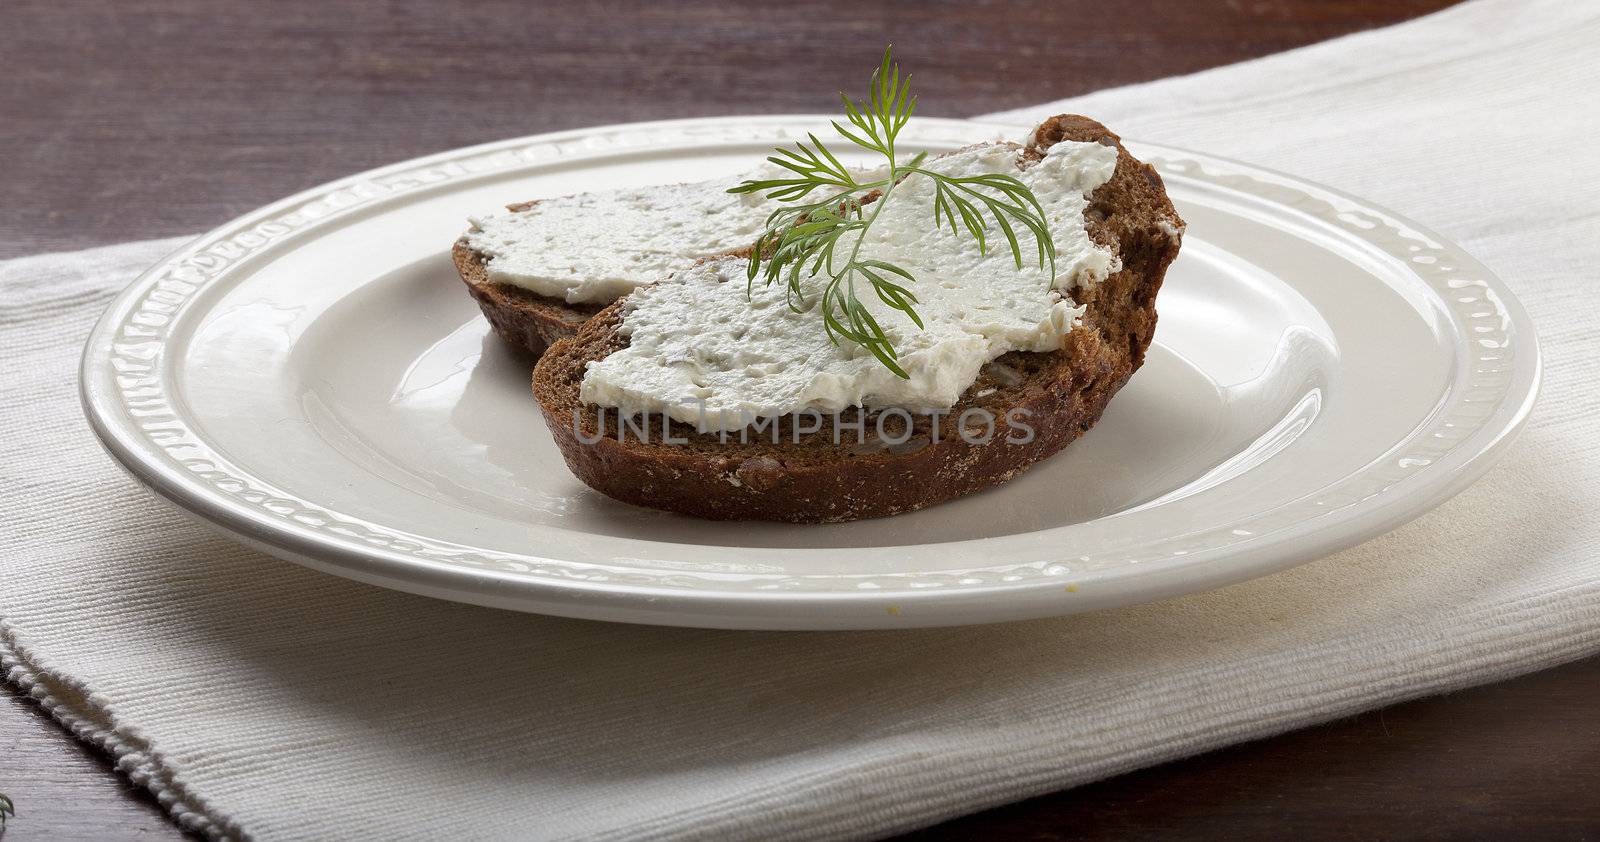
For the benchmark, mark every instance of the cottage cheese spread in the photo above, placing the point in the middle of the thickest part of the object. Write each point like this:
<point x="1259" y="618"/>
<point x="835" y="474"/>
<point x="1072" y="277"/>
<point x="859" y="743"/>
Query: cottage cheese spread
<point x="595" y="247"/>
<point x="703" y="352"/>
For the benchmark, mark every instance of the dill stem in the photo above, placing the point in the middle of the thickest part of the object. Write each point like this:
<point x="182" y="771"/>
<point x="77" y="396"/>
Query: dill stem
<point x="877" y="208"/>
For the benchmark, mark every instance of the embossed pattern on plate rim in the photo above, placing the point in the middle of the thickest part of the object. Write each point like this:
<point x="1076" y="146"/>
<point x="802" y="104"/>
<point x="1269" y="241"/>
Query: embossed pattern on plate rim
<point x="124" y="391"/>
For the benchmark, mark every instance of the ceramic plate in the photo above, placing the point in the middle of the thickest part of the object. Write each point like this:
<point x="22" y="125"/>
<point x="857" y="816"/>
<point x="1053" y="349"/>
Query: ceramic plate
<point x="313" y="378"/>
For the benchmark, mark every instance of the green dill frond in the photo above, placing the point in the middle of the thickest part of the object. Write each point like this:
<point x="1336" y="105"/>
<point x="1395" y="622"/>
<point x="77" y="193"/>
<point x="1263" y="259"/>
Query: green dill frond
<point x="824" y="237"/>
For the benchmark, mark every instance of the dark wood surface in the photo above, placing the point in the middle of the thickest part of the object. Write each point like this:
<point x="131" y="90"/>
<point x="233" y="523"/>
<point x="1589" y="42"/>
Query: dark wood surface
<point x="146" y="118"/>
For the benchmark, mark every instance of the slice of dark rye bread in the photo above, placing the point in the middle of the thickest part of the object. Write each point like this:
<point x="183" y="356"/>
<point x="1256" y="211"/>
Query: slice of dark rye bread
<point x="815" y="479"/>
<point x="521" y="317"/>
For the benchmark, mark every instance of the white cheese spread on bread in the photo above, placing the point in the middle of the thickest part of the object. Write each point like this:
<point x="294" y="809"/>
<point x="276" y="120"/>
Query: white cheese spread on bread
<point x="596" y="247"/>
<point x="703" y="351"/>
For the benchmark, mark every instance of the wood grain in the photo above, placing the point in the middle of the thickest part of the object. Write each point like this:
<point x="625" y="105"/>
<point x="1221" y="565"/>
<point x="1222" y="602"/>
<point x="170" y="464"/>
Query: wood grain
<point x="1516" y="760"/>
<point x="63" y="789"/>
<point x="144" y="118"/>
<point x="147" y="118"/>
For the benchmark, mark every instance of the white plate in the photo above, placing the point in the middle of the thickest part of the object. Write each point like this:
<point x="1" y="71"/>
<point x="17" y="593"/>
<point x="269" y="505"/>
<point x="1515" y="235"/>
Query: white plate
<point x="312" y="378"/>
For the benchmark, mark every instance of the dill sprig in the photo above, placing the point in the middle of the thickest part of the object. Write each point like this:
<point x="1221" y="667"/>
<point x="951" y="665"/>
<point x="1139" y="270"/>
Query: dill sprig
<point x="823" y="237"/>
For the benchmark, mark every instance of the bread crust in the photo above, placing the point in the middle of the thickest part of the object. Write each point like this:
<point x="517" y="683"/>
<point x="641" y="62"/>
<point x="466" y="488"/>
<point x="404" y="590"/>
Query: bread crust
<point x="811" y="477"/>
<point x="523" y="318"/>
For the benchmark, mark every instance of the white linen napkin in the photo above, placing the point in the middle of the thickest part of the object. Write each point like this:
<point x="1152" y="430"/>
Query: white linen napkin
<point x="260" y="699"/>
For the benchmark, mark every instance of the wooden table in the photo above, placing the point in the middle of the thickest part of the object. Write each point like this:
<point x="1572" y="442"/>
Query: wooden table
<point x="146" y="118"/>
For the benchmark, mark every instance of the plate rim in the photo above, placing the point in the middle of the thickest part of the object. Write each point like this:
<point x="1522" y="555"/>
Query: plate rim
<point x="106" y="411"/>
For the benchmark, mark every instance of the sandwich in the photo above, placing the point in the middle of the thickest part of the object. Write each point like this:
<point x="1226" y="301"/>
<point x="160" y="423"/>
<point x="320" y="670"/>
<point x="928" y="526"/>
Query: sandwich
<point x="542" y="268"/>
<point x="755" y="384"/>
